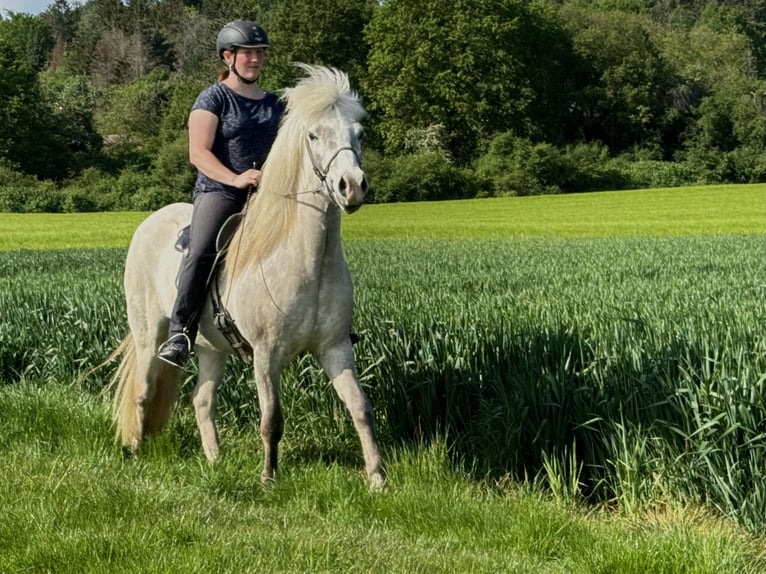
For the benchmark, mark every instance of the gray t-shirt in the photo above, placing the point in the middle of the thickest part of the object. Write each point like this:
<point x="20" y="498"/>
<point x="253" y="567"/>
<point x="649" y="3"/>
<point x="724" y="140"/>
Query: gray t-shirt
<point x="246" y="130"/>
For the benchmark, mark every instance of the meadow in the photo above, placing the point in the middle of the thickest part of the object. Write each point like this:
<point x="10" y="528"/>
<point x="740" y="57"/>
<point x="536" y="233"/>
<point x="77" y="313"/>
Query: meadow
<point x="562" y="384"/>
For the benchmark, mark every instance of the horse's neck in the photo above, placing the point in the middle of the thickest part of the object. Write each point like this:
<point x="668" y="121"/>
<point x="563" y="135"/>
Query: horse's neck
<point x="317" y="228"/>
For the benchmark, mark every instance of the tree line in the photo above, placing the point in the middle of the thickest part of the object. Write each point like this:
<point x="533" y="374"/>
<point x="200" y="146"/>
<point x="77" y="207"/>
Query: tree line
<point x="466" y="98"/>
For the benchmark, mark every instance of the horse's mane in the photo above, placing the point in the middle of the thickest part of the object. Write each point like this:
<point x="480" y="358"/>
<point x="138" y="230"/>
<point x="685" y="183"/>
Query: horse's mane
<point x="271" y="211"/>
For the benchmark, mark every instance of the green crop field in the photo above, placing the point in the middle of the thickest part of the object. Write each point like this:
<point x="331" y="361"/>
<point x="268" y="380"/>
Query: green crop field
<point x="682" y="211"/>
<point x="562" y="384"/>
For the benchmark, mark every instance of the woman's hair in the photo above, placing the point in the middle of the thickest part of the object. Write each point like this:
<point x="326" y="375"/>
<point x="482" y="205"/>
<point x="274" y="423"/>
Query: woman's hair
<point x="223" y="74"/>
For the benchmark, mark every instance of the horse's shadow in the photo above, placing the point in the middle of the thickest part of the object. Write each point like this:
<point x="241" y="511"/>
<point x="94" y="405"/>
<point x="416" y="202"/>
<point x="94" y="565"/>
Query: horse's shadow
<point x="516" y="402"/>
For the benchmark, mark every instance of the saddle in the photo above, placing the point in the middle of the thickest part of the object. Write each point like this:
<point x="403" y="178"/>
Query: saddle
<point x="221" y="316"/>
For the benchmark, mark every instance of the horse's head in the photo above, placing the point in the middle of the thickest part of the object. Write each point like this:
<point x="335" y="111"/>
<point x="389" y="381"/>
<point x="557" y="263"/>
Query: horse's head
<point x="334" y="150"/>
<point x="329" y="113"/>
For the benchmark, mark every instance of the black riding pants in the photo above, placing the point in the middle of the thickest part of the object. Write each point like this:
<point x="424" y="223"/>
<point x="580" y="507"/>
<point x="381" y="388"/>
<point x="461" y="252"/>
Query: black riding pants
<point x="211" y="210"/>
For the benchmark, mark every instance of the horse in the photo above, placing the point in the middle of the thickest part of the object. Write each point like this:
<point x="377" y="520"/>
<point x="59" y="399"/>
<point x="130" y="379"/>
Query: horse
<point x="285" y="281"/>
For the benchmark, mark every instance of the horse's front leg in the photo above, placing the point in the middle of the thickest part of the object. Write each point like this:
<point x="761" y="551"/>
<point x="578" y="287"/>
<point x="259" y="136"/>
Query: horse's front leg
<point x="211" y="370"/>
<point x="338" y="363"/>
<point x="267" y="380"/>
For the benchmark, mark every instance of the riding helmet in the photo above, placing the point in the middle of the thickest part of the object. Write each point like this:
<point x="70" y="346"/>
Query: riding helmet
<point x="241" y="34"/>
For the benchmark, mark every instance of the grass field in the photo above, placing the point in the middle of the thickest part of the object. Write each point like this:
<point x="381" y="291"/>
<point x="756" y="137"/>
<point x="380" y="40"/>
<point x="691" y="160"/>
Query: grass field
<point x="682" y="211"/>
<point x="660" y="212"/>
<point x="562" y="384"/>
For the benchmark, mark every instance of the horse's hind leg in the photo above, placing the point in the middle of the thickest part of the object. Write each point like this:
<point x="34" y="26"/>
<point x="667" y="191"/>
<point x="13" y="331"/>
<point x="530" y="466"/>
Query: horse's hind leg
<point x="338" y="363"/>
<point x="158" y="383"/>
<point x="267" y="378"/>
<point x="211" y="370"/>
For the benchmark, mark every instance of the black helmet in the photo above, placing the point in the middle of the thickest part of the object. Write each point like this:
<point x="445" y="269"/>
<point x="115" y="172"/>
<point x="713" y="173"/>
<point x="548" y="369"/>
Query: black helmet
<point x="241" y="34"/>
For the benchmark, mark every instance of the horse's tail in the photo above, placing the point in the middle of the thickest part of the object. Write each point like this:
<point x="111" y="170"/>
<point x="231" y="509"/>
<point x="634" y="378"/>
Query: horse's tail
<point x="144" y="395"/>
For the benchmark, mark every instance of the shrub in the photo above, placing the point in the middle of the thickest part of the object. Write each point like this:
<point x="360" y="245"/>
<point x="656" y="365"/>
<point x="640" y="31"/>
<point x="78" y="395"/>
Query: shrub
<point x="749" y="163"/>
<point x="420" y="176"/>
<point x="129" y="183"/>
<point x="172" y="170"/>
<point x="516" y="166"/>
<point x="21" y="193"/>
<point x="587" y="167"/>
<point x="90" y="191"/>
<point x="43" y="197"/>
<point x="646" y="173"/>
<point x="155" y="196"/>
<point x="75" y="200"/>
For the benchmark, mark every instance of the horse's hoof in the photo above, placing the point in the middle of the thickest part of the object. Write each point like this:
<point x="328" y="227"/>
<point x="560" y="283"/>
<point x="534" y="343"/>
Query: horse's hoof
<point x="267" y="479"/>
<point x="212" y="455"/>
<point x="378" y="484"/>
<point x="127" y="452"/>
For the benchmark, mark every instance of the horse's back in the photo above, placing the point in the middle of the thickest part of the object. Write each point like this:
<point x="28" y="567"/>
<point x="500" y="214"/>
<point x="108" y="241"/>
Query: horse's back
<point x="152" y="262"/>
<point x="175" y="214"/>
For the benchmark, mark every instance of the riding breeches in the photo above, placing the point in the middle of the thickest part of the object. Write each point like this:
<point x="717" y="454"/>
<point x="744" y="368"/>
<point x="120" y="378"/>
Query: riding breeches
<point x="211" y="210"/>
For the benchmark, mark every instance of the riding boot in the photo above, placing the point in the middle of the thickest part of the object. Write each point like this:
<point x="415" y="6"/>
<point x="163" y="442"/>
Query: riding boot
<point x="175" y="351"/>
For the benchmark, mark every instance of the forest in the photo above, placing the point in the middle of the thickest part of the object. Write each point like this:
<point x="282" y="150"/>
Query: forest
<point x="465" y="98"/>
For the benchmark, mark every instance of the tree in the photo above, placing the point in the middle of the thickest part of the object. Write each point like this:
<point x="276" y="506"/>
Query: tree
<point x="188" y="39"/>
<point x="28" y="137"/>
<point x="328" y="32"/>
<point x="27" y="41"/>
<point x="17" y="90"/>
<point x="62" y="20"/>
<point x="474" y="66"/>
<point x="96" y="18"/>
<point x="727" y="130"/>
<point x="624" y="97"/>
<point x="72" y="101"/>
<point x="135" y="111"/>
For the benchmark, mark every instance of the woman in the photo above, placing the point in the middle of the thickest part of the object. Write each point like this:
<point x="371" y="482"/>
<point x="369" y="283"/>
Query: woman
<point x="232" y="126"/>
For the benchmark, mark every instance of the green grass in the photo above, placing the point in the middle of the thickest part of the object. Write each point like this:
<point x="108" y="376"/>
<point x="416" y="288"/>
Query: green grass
<point x="678" y="211"/>
<point x="67" y="230"/>
<point x="656" y="212"/>
<point x="71" y="503"/>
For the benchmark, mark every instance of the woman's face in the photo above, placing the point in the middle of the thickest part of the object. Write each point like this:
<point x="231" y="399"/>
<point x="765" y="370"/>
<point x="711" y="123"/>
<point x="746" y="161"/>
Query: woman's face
<point x="247" y="61"/>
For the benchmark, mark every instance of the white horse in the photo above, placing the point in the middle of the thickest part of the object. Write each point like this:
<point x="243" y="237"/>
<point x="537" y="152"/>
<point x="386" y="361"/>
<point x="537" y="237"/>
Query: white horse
<point x="286" y="282"/>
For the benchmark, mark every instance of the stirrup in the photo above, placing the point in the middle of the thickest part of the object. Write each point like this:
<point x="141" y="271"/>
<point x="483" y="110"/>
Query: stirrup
<point x="176" y="354"/>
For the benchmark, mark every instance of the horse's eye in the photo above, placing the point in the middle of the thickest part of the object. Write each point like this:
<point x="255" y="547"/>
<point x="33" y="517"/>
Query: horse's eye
<point x="313" y="137"/>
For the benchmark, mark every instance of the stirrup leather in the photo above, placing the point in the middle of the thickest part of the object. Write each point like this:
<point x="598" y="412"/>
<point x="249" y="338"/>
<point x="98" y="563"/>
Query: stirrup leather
<point x="225" y="323"/>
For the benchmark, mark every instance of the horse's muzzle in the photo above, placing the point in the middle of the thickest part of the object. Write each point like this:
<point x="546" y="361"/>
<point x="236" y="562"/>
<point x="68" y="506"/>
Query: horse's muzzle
<point x="352" y="190"/>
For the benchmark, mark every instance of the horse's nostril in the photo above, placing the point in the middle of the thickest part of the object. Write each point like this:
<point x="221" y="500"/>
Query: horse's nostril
<point x="343" y="185"/>
<point x="365" y="185"/>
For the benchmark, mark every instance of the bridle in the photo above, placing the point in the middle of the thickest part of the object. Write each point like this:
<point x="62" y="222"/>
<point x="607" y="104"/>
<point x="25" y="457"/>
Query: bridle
<point x="321" y="172"/>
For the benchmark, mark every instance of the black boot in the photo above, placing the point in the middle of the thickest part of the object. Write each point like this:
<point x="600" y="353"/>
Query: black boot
<point x="175" y="351"/>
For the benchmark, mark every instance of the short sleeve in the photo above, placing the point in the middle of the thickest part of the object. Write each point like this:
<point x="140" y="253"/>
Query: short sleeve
<point x="211" y="100"/>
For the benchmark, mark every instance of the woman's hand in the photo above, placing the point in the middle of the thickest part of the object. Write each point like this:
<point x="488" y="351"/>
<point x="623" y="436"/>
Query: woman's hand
<point x="249" y="178"/>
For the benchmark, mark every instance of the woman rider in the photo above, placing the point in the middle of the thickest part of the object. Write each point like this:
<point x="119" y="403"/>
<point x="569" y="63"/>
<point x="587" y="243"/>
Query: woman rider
<point x="232" y="126"/>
